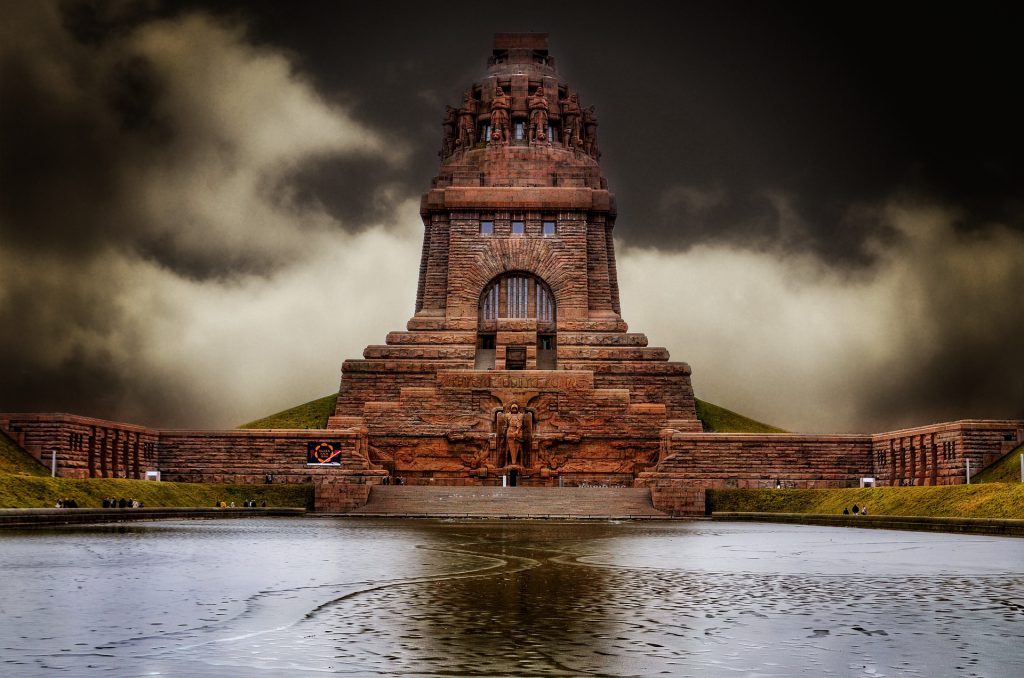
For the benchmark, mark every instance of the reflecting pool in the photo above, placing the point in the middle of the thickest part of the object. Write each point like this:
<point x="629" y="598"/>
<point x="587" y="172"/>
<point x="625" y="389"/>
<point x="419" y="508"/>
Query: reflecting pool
<point x="289" y="596"/>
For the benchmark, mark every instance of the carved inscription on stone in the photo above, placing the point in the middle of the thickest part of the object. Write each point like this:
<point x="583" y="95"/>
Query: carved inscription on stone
<point x="529" y="380"/>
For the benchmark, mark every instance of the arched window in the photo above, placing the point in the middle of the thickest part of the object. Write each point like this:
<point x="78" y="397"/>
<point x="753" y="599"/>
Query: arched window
<point x="517" y="295"/>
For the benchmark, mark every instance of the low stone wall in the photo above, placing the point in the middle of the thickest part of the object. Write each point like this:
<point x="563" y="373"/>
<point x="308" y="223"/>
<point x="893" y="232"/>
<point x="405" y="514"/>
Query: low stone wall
<point x="85" y="447"/>
<point x="938" y="454"/>
<point x="678" y="498"/>
<point x="248" y="456"/>
<point x="690" y="463"/>
<point x="343" y="492"/>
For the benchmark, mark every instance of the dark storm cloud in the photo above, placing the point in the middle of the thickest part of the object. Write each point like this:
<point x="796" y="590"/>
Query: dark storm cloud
<point x="830" y="110"/>
<point x="143" y="164"/>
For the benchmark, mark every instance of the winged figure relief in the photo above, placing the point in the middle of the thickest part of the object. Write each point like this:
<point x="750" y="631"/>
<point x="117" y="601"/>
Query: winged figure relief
<point x="515" y="435"/>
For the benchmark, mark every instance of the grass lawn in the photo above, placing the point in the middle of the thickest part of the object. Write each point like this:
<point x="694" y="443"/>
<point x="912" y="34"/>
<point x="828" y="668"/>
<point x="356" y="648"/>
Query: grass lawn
<point x="17" y="461"/>
<point x="720" y="420"/>
<point x="990" y="500"/>
<point x="19" y="491"/>
<point x="313" y="414"/>
<point x="1006" y="470"/>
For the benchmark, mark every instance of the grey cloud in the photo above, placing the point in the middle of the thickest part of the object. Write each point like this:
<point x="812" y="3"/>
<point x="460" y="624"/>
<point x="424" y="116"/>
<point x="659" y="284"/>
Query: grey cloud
<point x="925" y="334"/>
<point x="153" y="164"/>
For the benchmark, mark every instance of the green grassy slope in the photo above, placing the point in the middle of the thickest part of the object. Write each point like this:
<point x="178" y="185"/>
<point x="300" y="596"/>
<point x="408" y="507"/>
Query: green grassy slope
<point x="314" y="414"/>
<point x="992" y="500"/>
<point x="35" y="492"/>
<point x="1006" y="470"/>
<point x="720" y="420"/>
<point x="15" y="460"/>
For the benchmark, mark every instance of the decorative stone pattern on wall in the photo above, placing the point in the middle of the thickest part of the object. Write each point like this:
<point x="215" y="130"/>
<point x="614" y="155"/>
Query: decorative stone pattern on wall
<point x="85" y="447"/>
<point x="937" y="454"/>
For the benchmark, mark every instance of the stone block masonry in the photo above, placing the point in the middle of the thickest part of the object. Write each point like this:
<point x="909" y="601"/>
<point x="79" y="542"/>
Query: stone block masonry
<point x="927" y="455"/>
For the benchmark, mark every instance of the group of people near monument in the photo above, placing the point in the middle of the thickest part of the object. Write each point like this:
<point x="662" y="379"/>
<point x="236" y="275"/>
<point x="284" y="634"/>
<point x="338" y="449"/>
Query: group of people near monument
<point x="248" y="503"/>
<point x="857" y="510"/>
<point x="66" y="502"/>
<point x="114" y="502"/>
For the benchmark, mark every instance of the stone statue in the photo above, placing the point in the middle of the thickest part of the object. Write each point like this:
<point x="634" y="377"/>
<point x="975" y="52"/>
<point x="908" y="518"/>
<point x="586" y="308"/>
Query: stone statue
<point x="590" y="132"/>
<point x="467" y="120"/>
<point x="514" y="429"/>
<point x="448" y="130"/>
<point x="571" y="120"/>
<point x="538" y="105"/>
<point x="499" y="116"/>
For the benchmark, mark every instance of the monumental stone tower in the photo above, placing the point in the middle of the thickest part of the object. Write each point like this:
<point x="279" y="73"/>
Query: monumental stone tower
<point x="517" y="361"/>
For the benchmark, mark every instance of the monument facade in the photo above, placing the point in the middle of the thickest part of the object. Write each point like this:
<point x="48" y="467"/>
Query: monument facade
<point x="517" y="323"/>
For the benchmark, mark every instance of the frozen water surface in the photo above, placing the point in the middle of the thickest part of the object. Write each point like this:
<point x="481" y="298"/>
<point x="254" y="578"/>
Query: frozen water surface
<point x="292" y="596"/>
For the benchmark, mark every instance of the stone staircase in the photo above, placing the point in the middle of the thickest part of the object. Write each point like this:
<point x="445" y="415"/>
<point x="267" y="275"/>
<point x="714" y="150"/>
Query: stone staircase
<point x="581" y="503"/>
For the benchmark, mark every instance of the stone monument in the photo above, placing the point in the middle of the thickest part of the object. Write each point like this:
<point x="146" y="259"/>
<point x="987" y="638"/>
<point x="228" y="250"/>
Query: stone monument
<point x="517" y="308"/>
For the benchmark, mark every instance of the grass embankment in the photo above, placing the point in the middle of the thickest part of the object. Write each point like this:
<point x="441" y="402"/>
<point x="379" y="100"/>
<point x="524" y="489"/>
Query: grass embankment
<point x="17" y="461"/>
<point x="717" y="419"/>
<point x="1006" y="470"/>
<point x="18" y="491"/>
<point x="314" y="414"/>
<point x="991" y="500"/>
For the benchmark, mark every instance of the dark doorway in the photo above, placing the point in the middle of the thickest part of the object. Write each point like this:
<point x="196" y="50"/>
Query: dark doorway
<point x="515" y="358"/>
<point x="513" y="478"/>
<point x="546" y="353"/>
<point x="485" y="351"/>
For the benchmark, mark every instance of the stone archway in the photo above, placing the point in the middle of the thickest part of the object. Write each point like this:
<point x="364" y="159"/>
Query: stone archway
<point x="516" y="296"/>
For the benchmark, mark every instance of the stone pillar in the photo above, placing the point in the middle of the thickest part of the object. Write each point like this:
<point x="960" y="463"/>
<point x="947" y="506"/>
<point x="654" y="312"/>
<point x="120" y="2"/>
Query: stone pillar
<point x="913" y="462"/>
<point x="935" y="461"/>
<point x="903" y="462"/>
<point x="893" y="480"/>
<point x="922" y="469"/>
<point x="92" y="453"/>
<point x="135" y="458"/>
<point x="103" y="454"/>
<point x="124" y="454"/>
<point x="113" y="452"/>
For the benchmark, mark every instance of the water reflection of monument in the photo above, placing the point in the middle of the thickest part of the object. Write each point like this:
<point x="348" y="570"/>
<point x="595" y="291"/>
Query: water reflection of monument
<point x="538" y="613"/>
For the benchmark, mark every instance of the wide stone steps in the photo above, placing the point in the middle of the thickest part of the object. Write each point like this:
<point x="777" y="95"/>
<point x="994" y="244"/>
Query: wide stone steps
<point x="597" y="503"/>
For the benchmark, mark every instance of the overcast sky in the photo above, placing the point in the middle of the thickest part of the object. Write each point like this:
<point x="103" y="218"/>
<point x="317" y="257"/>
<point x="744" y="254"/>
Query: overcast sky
<point x="206" y="207"/>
